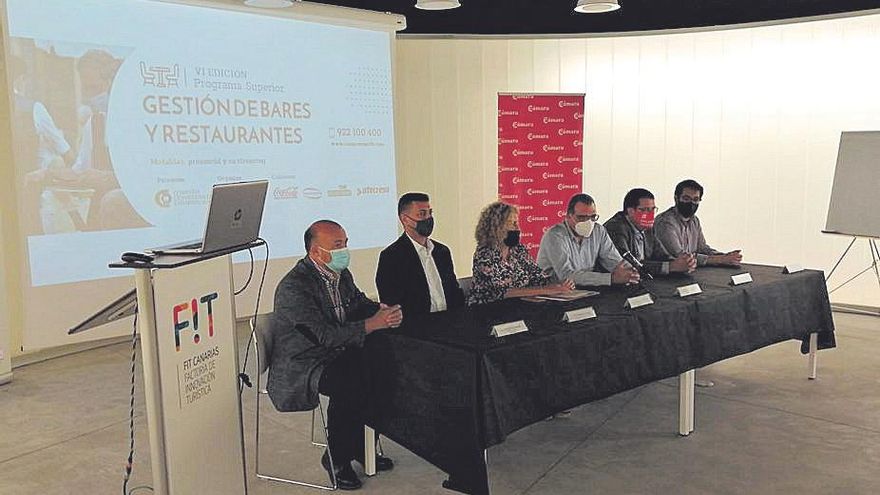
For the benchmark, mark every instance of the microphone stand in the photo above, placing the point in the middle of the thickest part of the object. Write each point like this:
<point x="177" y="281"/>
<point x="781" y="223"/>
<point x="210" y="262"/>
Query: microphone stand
<point x="639" y="288"/>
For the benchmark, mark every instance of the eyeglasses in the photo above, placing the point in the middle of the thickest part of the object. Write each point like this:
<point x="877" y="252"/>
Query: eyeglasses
<point x="687" y="199"/>
<point x="583" y="218"/>
<point x="647" y="209"/>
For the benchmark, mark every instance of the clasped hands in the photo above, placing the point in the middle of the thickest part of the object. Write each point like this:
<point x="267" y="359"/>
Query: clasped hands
<point x="385" y="317"/>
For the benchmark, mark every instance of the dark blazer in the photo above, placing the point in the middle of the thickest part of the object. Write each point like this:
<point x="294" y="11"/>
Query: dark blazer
<point x="306" y="334"/>
<point x="656" y="255"/>
<point x="401" y="279"/>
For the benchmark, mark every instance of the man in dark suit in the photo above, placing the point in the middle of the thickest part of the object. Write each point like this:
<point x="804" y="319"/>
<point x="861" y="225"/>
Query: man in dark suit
<point x="321" y="319"/>
<point x="632" y="229"/>
<point x="416" y="271"/>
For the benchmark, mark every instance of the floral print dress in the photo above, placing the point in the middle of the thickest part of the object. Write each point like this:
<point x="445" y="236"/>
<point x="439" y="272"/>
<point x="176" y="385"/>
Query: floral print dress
<point x="493" y="276"/>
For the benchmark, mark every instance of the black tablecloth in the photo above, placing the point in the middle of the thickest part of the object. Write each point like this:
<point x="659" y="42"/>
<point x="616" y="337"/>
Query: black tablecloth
<point x="445" y="389"/>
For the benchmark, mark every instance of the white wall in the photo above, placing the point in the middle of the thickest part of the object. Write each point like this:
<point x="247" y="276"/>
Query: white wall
<point x="5" y="319"/>
<point x="9" y="319"/>
<point x="754" y="114"/>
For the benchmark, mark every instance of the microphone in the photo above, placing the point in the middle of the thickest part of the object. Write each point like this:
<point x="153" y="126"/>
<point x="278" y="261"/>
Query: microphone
<point x="632" y="260"/>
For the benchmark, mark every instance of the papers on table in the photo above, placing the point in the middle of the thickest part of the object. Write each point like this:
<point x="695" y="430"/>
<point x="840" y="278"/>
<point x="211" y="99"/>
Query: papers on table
<point x="568" y="296"/>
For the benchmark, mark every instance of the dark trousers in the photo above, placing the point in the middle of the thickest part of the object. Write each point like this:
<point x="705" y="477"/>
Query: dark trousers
<point x="343" y="381"/>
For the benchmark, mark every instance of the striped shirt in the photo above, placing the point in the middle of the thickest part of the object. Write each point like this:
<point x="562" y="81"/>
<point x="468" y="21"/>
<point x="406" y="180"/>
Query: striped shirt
<point x="331" y="284"/>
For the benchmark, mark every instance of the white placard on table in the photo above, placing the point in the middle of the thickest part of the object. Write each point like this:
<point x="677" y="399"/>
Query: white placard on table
<point x="792" y="268"/>
<point x="504" y="329"/>
<point x="742" y="278"/>
<point x="639" y="301"/>
<point x="689" y="290"/>
<point x="579" y="314"/>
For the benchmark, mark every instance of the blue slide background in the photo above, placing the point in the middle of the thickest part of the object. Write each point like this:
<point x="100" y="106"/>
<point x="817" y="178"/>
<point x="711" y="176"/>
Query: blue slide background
<point x="338" y="160"/>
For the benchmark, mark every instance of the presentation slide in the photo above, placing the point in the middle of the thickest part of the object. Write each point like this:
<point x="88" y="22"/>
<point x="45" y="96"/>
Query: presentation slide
<point x="126" y="112"/>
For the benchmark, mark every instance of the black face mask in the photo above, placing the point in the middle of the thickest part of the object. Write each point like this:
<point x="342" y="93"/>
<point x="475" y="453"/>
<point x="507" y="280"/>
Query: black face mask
<point x="686" y="210"/>
<point x="512" y="238"/>
<point x="424" y="227"/>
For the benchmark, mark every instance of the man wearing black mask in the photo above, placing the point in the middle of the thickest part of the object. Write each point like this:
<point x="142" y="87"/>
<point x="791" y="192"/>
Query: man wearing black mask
<point x="416" y="271"/>
<point x="679" y="230"/>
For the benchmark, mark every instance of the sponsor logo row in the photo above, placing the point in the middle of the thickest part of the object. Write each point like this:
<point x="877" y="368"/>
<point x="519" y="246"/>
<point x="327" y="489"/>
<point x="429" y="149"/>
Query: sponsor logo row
<point x="166" y="198"/>
<point x="342" y="191"/>
<point x="544" y="203"/>
<point x="532" y="165"/>
<point x="551" y="212"/>
<point x="531" y="180"/>
<point x="532" y="124"/>
<point x="540" y="191"/>
<point x="545" y="107"/>
<point x="558" y="159"/>
<point x="546" y="120"/>
<point x="577" y="143"/>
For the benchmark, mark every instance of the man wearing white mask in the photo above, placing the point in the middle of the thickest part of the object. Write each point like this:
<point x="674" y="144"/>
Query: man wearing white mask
<point x="577" y="246"/>
<point x="319" y="325"/>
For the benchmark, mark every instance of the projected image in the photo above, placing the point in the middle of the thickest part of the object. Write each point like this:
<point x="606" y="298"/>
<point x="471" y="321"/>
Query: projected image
<point x="122" y="130"/>
<point x="61" y="94"/>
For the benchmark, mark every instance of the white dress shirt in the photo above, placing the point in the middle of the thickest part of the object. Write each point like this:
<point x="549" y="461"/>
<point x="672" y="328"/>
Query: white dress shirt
<point x="435" y="284"/>
<point x="577" y="259"/>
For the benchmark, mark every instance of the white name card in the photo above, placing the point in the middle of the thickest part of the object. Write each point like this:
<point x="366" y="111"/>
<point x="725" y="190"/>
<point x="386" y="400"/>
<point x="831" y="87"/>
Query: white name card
<point x="689" y="290"/>
<point x="742" y="278"/>
<point x="792" y="268"/>
<point x="579" y="314"/>
<point x="639" y="301"/>
<point x="504" y="329"/>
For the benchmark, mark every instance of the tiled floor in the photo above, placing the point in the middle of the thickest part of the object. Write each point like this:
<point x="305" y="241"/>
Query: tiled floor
<point x="763" y="428"/>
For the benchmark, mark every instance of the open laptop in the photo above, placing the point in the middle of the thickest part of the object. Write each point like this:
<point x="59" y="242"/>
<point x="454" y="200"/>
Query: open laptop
<point x="234" y="217"/>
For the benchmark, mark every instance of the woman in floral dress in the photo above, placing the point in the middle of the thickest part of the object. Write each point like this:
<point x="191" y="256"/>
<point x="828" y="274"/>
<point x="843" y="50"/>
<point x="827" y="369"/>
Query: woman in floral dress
<point x="503" y="268"/>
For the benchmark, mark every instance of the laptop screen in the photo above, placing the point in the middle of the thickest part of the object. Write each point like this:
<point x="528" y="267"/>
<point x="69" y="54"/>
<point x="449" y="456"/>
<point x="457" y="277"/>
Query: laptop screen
<point x="234" y="215"/>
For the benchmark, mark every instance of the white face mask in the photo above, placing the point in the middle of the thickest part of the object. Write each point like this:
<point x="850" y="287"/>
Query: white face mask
<point x="584" y="229"/>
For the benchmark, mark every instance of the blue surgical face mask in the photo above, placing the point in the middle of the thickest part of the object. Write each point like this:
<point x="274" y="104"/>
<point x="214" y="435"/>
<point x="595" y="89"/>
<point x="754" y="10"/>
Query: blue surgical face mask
<point x="339" y="259"/>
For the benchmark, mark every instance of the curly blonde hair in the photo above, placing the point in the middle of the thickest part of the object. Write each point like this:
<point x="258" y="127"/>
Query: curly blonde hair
<point x="492" y="225"/>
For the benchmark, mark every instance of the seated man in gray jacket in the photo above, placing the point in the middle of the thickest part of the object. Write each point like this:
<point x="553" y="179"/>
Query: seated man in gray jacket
<point x="631" y="229"/>
<point x="678" y="228"/>
<point x="320" y="322"/>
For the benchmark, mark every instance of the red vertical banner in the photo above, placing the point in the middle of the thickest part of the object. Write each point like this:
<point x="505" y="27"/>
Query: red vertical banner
<point x="540" y="158"/>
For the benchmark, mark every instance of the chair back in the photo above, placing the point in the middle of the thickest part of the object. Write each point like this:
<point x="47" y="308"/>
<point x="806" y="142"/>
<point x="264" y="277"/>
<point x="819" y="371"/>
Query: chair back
<point x="466" y="283"/>
<point x="261" y="325"/>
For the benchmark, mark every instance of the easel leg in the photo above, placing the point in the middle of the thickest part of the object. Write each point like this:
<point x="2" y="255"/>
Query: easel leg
<point x="853" y="241"/>
<point x="875" y="255"/>
<point x="875" y="264"/>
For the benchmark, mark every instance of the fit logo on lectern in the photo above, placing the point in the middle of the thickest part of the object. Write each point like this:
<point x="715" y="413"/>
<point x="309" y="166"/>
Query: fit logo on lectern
<point x="186" y="317"/>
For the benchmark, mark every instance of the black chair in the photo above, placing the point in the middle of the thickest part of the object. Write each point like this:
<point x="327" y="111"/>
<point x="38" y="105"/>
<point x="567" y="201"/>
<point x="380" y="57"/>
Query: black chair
<point x="466" y="283"/>
<point x="261" y="336"/>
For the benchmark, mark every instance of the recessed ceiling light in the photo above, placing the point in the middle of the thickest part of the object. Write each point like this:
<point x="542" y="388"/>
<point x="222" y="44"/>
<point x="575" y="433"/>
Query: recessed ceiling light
<point x="268" y="4"/>
<point x="437" y="4"/>
<point x="596" y="6"/>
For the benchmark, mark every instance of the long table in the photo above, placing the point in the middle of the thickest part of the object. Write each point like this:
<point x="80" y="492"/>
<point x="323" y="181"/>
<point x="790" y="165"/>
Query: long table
<point x="445" y="389"/>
